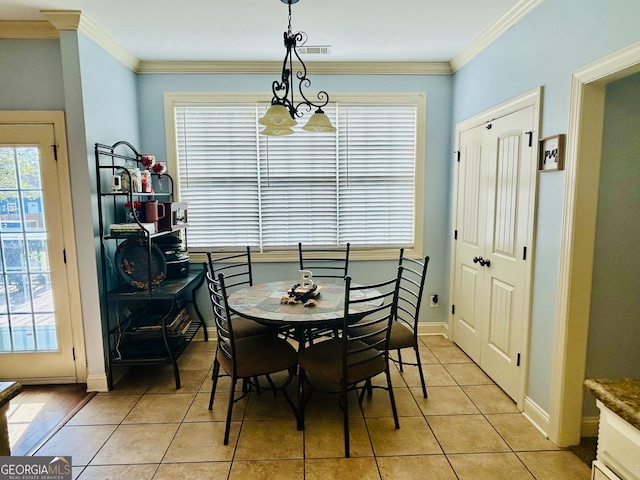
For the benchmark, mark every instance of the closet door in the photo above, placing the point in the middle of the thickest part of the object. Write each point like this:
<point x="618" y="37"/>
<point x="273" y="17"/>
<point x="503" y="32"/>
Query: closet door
<point x="493" y="221"/>
<point x="508" y="217"/>
<point x="471" y="219"/>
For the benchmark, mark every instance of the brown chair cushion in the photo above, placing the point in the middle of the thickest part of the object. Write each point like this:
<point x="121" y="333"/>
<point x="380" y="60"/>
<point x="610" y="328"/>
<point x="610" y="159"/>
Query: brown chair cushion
<point x="401" y="336"/>
<point x="259" y="355"/>
<point x="245" y="327"/>
<point x="324" y="360"/>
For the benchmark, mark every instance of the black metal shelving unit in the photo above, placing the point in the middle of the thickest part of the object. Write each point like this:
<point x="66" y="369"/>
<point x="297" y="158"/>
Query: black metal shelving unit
<point x="154" y="324"/>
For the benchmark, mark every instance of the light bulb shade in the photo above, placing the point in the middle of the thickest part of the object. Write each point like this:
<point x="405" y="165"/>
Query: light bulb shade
<point x="273" y="131"/>
<point x="319" y="122"/>
<point x="277" y="116"/>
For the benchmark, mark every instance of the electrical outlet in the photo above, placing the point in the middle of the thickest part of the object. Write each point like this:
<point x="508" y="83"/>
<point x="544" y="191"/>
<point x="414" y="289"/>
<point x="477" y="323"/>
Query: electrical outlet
<point x="433" y="301"/>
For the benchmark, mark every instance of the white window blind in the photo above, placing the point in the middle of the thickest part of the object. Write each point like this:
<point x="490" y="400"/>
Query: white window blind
<point x="357" y="185"/>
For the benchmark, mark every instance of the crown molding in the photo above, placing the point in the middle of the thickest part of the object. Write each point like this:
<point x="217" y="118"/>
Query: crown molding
<point x="318" y="68"/>
<point x="27" y="29"/>
<point x="98" y="35"/>
<point x="63" y="19"/>
<point x="504" y="23"/>
<point x="76" y="20"/>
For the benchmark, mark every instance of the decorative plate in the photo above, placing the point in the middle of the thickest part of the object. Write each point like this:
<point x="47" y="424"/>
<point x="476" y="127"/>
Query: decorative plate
<point x="132" y="261"/>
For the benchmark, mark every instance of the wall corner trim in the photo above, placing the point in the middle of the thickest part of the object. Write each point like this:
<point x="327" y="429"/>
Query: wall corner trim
<point x="78" y="21"/>
<point x="63" y="19"/>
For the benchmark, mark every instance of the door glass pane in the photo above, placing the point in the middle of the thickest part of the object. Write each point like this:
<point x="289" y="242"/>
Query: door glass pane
<point x="27" y="321"/>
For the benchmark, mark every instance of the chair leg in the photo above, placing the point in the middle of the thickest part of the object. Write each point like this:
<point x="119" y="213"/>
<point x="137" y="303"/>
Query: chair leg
<point x="419" y="365"/>
<point x="271" y="384"/>
<point x="345" y="413"/>
<point x="400" y="360"/>
<point x="366" y="388"/>
<point x="363" y="391"/>
<point x="292" y="372"/>
<point x="392" y="398"/>
<point x="214" y="377"/>
<point x="232" y="394"/>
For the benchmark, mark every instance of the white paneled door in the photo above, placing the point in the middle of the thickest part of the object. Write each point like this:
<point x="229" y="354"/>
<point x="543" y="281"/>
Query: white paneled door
<point x="36" y="343"/>
<point x="496" y="178"/>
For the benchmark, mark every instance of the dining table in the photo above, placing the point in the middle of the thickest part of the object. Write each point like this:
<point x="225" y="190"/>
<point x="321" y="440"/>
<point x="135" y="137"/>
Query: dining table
<point x="264" y="303"/>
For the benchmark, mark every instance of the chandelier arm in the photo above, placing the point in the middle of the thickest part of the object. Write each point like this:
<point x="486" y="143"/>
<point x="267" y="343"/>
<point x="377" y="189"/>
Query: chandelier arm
<point x="305" y="82"/>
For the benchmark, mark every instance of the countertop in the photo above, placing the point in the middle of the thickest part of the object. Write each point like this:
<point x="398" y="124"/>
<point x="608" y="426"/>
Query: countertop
<point x="621" y="396"/>
<point x="8" y="390"/>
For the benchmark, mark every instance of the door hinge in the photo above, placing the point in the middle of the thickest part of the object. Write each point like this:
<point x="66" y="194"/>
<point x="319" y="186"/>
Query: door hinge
<point x="64" y="255"/>
<point x="73" y="353"/>
<point x="458" y="156"/>
<point x="455" y="234"/>
<point x="518" y="361"/>
<point x="524" y="253"/>
<point x="55" y="152"/>
<point x="453" y="309"/>
<point x="530" y="137"/>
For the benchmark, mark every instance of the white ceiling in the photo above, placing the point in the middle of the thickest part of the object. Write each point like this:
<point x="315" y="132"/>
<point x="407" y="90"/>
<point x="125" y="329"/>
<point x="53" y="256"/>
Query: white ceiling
<point x="252" y="30"/>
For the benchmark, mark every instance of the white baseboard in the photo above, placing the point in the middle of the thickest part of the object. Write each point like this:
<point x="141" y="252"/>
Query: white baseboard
<point x="97" y="383"/>
<point x="211" y="332"/>
<point x="433" y="328"/>
<point x="537" y="416"/>
<point x="46" y="380"/>
<point x="589" y="426"/>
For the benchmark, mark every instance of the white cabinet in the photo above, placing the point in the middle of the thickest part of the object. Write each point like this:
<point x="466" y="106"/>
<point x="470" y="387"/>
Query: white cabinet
<point x="618" y="447"/>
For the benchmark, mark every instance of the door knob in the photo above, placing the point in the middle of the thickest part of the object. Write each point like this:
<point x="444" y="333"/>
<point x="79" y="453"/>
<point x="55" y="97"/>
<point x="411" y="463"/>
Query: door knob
<point x="477" y="259"/>
<point x="485" y="263"/>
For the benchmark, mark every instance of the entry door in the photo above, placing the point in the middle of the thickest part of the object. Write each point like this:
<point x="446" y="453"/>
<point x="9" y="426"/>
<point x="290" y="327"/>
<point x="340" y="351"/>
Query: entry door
<point x="496" y="179"/>
<point x="36" y="341"/>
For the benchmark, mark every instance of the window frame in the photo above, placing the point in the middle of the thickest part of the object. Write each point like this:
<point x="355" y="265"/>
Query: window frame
<point x="170" y="99"/>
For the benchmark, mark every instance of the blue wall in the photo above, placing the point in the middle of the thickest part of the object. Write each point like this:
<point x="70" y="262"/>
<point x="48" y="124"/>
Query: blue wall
<point x="109" y="92"/>
<point x="544" y="48"/>
<point x="31" y="75"/>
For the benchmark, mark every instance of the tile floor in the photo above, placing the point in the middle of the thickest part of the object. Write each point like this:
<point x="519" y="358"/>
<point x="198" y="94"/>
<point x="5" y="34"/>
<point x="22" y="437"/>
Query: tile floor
<point x="467" y="429"/>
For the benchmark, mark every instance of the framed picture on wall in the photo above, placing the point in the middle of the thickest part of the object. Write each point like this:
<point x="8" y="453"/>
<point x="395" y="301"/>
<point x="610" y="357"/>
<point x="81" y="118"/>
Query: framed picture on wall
<point x="551" y="153"/>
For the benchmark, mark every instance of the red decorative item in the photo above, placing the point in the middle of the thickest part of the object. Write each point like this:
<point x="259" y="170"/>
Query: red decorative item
<point x="148" y="161"/>
<point x="159" y="168"/>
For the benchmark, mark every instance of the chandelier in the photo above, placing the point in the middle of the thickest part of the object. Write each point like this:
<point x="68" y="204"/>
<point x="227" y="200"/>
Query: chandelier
<point x="282" y="113"/>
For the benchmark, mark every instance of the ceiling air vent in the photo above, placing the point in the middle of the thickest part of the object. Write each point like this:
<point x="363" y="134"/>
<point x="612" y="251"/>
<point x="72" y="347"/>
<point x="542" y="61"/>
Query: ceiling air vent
<point x="314" y="50"/>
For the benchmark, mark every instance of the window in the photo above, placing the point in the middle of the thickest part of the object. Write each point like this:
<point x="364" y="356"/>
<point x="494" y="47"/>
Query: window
<point x="358" y="185"/>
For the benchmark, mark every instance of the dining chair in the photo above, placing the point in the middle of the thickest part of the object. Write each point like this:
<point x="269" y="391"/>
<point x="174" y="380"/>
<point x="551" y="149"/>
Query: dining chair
<point x="246" y="358"/>
<point x="236" y="269"/>
<point x="325" y="262"/>
<point x="349" y="361"/>
<point x="404" y="328"/>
